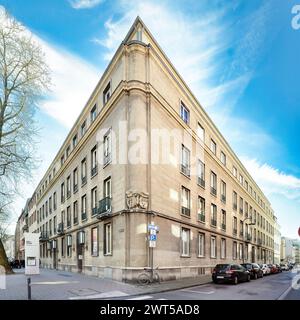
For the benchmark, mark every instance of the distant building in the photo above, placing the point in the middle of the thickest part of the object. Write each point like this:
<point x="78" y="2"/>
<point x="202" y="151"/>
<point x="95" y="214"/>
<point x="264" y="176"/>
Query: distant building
<point x="289" y="250"/>
<point x="277" y="242"/>
<point x="9" y="246"/>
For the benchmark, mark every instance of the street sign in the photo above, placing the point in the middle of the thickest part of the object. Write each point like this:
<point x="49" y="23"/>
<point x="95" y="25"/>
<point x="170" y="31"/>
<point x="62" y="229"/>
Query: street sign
<point x="152" y="231"/>
<point x="153" y="227"/>
<point x="152" y="237"/>
<point x="152" y="244"/>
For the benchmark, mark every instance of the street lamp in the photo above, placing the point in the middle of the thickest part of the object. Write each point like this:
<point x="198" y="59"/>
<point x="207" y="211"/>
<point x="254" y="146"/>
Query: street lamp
<point x="250" y="224"/>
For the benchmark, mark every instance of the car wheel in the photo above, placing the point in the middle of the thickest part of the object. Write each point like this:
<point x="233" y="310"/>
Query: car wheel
<point x="235" y="280"/>
<point x="248" y="278"/>
<point x="215" y="281"/>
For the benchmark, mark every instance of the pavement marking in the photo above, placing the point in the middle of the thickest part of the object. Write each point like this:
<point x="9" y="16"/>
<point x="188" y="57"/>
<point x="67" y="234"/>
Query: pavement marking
<point x="54" y="282"/>
<point x="202" y="292"/>
<point x="285" y="293"/>
<point x="141" y="298"/>
<point x="109" y="294"/>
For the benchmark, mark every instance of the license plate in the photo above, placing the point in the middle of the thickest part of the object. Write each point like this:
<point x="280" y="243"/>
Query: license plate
<point x="220" y="277"/>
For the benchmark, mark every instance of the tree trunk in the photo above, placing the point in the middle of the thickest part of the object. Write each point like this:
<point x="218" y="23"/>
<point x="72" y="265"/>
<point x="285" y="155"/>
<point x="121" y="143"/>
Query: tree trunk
<point x="3" y="259"/>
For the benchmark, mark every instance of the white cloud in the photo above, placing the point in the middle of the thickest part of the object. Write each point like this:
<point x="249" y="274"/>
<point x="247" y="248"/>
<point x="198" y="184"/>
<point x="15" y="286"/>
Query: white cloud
<point x="84" y="4"/>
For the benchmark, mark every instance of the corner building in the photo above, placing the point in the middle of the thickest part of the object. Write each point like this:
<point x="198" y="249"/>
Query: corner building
<point x="92" y="216"/>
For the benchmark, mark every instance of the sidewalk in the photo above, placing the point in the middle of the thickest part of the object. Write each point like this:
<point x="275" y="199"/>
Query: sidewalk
<point x="62" y="285"/>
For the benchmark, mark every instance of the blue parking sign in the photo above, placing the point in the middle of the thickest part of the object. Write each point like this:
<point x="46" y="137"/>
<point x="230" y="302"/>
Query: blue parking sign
<point x="152" y="237"/>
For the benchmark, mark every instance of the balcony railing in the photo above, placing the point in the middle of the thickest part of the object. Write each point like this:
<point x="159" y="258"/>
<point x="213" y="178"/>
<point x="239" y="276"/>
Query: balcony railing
<point x="60" y="228"/>
<point x="213" y="191"/>
<point x="234" y="231"/>
<point x="104" y="208"/>
<point x="83" y="216"/>
<point x="201" y="216"/>
<point x="223" y="198"/>
<point x="223" y="226"/>
<point x="83" y="180"/>
<point x="94" y="211"/>
<point x="234" y="206"/>
<point x="185" y="170"/>
<point x="248" y="237"/>
<point x="201" y="182"/>
<point x="107" y="159"/>
<point x="213" y="222"/>
<point x="44" y="236"/>
<point x="94" y="171"/>
<point x="185" y="211"/>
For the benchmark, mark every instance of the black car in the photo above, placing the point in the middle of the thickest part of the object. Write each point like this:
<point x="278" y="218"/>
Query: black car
<point x="15" y="264"/>
<point x="254" y="269"/>
<point x="234" y="273"/>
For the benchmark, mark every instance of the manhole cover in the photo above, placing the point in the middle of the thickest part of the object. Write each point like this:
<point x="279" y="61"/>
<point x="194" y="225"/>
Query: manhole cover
<point x="84" y="292"/>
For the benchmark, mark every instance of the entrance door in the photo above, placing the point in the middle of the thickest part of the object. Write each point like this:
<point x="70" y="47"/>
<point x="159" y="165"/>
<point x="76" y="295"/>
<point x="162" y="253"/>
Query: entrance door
<point x="80" y="252"/>
<point x="253" y="255"/>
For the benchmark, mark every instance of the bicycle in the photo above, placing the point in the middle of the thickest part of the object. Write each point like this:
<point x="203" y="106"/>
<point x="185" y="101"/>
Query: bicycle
<point x="146" y="277"/>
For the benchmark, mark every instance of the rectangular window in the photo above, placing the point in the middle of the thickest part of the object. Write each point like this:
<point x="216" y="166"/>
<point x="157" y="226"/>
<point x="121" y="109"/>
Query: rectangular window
<point x="68" y="151"/>
<point x="106" y="93"/>
<point x="223" y="248"/>
<point x="241" y="251"/>
<point x="201" y="174"/>
<point x="213" y="183"/>
<point x="68" y="217"/>
<point x="94" y="200"/>
<point x="62" y="247"/>
<point x="200" y="132"/>
<point x="234" y="225"/>
<point x="213" y="247"/>
<point x="75" y="212"/>
<point x="223" y="158"/>
<point x="95" y="246"/>
<point x="68" y="186"/>
<point x="107" y="148"/>
<point x="213" y="214"/>
<point x="69" y="245"/>
<point x="241" y="205"/>
<point x="246" y="185"/>
<point x="62" y="192"/>
<point x="223" y="219"/>
<point x="201" y="209"/>
<point x="234" y="249"/>
<point x="213" y="146"/>
<point x="107" y="188"/>
<point x="83" y="171"/>
<point x="83" y="208"/>
<point x="201" y="245"/>
<point x="107" y="239"/>
<point x="185" y="242"/>
<point x="93" y="113"/>
<point x="75" y="140"/>
<point x="54" y="201"/>
<point x="241" y="179"/>
<point x="75" y="180"/>
<point x="94" y="161"/>
<point x="185" y="201"/>
<point x="83" y="128"/>
<point x="241" y="228"/>
<point x="184" y="113"/>
<point x="234" y="171"/>
<point x="54" y="225"/>
<point x="185" y="160"/>
<point x="234" y="200"/>
<point x="62" y="160"/>
<point x="223" y="191"/>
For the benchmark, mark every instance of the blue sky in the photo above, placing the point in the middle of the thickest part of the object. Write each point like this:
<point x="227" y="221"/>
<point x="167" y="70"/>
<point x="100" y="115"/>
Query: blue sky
<point x="240" y="58"/>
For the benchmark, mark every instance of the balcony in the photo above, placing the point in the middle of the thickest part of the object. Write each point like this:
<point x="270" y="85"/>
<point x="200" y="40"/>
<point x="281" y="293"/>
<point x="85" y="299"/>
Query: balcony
<point x="234" y="207"/>
<point x="223" y="198"/>
<point x="185" y="211"/>
<point x="104" y="208"/>
<point x="185" y="170"/>
<point x="234" y="231"/>
<point x="223" y="226"/>
<point x="60" y="228"/>
<point x="83" y="180"/>
<point x="201" y="182"/>
<point x="201" y="216"/>
<point x="94" y="171"/>
<point x="213" y="222"/>
<point x="83" y="216"/>
<point x="44" y="236"/>
<point x="107" y="159"/>
<point x="94" y="211"/>
<point x="248" y="237"/>
<point x="213" y="191"/>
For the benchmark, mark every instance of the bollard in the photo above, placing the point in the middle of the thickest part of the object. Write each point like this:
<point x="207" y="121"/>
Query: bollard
<point x="29" y="288"/>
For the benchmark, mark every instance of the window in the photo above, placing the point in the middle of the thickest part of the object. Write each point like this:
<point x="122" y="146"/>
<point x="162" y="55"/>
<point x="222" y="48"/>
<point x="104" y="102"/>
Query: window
<point x="241" y="228"/>
<point x="75" y="212"/>
<point x="107" y="239"/>
<point x="62" y="247"/>
<point x="107" y="148"/>
<point x="93" y="113"/>
<point x="46" y="207"/>
<point x="185" y="242"/>
<point x="234" y="200"/>
<point x="201" y="245"/>
<point x="185" y="161"/>
<point x="223" y="191"/>
<point x="69" y="245"/>
<point x="201" y="173"/>
<point x="241" y="205"/>
<point x="62" y="160"/>
<point x="241" y="179"/>
<point x="68" y="151"/>
<point x="184" y="113"/>
<point x="213" y="247"/>
<point x="75" y="140"/>
<point x="200" y="132"/>
<point x="83" y="171"/>
<point x="83" y="128"/>
<point x="54" y="201"/>
<point x="50" y="227"/>
<point x="223" y="158"/>
<point x="94" y="201"/>
<point x="83" y="207"/>
<point x="246" y="185"/>
<point x="62" y="192"/>
<point x="95" y="246"/>
<point x="75" y="180"/>
<point x="234" y="225"/>
<point x="241" y="251"/>
<point x="94" y="161"/>
<point x="201" y="209"/>
<point x="107" y="188"/>
<point x="213" y="146"/>
<point x="234" y="171"/>
<point x="234" y="249"/>
<point x="246" y="209"/>
<point x="223" y="219"/>
<point x="185" y="201"/>
<point x="50" y="205"/>
<point x="106" y="94"/>
<point x="68" y="186"/>
<point x="223" y="248"/>
<point x="54" y="225"/>
<point x="213" y="214"/>
<point x="213" y="183"/>
<point x="68" y="217"/>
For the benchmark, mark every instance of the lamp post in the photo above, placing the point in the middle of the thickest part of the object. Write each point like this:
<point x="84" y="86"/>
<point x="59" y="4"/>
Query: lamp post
<point x="250" y="224"/>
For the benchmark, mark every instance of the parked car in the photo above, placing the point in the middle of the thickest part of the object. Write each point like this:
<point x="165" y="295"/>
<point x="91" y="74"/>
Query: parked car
<point x="278" y="267"/>
<point x="266" y="270"/>
<point x="234" y="273"/>
<point x="254" y="269"/>
<point x="15" y="264"/>
<point x="284" y="267"/>
<point x="273" y="268"/>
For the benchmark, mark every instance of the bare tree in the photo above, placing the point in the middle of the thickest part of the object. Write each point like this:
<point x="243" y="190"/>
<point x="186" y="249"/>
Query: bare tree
<point x="24" y="78"/>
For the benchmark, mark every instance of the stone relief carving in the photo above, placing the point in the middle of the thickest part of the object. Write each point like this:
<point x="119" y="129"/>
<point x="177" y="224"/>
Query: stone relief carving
<point x="137" y="200"/>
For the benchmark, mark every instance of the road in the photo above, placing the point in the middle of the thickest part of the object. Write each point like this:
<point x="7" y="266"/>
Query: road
<point x="271" y="287"/>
